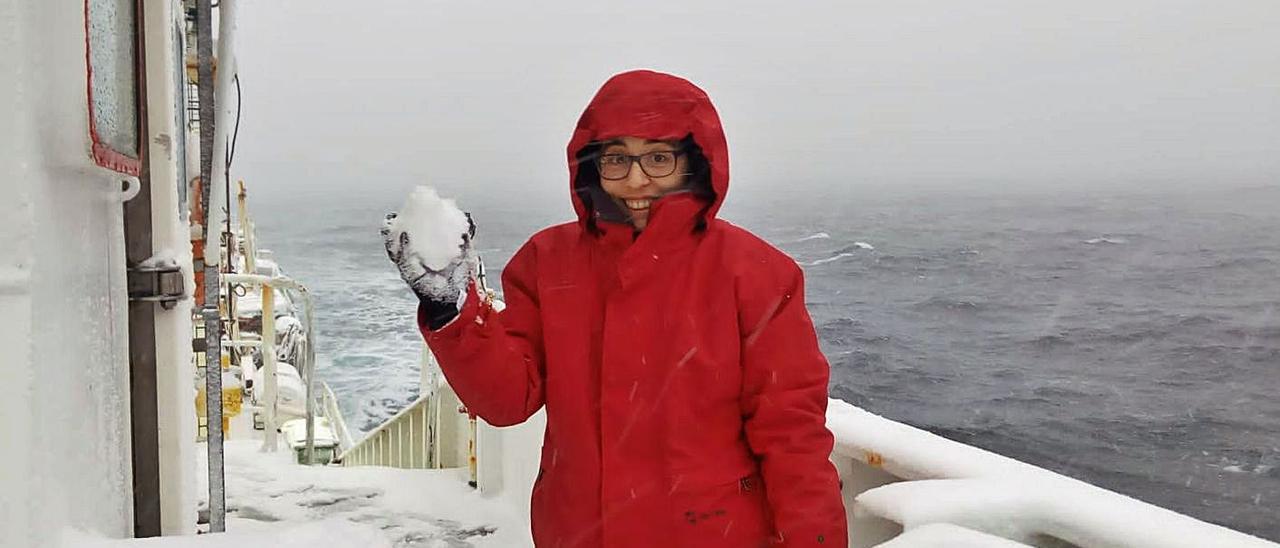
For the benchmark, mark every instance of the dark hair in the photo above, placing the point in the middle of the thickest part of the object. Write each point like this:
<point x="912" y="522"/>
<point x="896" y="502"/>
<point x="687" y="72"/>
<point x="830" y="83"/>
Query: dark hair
<point x="698" y="181"/>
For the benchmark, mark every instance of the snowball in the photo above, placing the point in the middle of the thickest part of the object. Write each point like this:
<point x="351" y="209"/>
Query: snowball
<point x="435" y="226"/>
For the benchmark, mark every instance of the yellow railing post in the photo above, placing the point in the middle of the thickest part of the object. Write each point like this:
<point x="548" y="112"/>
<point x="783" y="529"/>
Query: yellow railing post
<point x="269" y="366"/>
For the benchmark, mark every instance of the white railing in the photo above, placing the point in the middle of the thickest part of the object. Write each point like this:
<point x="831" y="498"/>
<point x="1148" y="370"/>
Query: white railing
<point x="330" y="410"/>
<point x="434" y="431"/>
<point x="898" y="478"/>
<point x="403" y="441"/>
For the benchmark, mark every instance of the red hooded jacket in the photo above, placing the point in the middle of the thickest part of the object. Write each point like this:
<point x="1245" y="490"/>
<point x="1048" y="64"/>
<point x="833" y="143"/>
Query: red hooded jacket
<point x="685" y="392"/>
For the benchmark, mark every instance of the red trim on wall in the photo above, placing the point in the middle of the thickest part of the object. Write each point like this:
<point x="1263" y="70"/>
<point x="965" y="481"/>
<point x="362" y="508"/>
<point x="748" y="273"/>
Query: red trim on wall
<point x="107" y="157"/>
<point x="103" y="154"/>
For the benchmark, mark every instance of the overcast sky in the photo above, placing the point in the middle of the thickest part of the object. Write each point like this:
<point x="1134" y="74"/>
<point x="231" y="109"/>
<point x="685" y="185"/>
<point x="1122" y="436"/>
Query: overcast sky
<point x="1019" y="92"/>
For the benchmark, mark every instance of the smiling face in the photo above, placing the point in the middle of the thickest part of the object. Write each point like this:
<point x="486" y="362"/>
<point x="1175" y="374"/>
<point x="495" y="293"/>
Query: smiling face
<point x="636" y="191"/>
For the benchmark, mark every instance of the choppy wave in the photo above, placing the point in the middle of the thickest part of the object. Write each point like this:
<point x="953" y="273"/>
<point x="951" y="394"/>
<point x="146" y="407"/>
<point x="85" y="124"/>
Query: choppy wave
<point x="939" y="303"/>
<point x="835" y="258"/>
<point x="1106" y="241"/>
<point x="947" y="304"/>
<point x="1051" y="342"/>
<point x="817" y="236"/>
<point x="843" y="253"/>
<point x="1243" y="262"/>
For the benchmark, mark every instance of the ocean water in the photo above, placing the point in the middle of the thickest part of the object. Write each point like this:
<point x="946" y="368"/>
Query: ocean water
<point x="1129" y="339"/>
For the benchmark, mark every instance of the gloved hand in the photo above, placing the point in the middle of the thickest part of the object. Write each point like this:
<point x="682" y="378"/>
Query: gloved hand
<point x="440" y="291"/>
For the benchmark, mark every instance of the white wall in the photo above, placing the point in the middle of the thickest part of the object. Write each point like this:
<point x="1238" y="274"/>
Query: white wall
<point x="63" y="365"/>
<point x="15" y="272"/>
<point x="508" y="462"/>
<point x="520" y="451"/>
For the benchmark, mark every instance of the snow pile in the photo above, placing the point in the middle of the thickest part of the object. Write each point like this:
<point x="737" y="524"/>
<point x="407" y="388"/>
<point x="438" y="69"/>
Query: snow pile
<point x="435" y="226"/>
<point x="164" y="258"/>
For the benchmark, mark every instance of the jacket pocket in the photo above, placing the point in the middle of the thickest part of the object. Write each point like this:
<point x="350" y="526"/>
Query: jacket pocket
<point x="732" y="513"/>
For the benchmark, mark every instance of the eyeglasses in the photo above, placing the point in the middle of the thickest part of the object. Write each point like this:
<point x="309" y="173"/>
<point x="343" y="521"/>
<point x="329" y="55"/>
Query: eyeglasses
<point x="660" y="163"/>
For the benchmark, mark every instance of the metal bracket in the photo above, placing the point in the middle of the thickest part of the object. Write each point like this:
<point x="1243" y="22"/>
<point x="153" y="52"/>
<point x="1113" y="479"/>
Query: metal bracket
<point x="162" y="284"/>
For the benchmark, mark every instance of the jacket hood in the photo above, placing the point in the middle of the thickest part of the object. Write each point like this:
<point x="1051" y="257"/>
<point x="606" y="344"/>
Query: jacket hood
<point x="652" y="105"/>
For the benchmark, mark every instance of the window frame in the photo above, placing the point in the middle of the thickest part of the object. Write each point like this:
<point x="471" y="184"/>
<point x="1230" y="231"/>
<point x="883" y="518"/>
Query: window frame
<point x="103" y="154"/>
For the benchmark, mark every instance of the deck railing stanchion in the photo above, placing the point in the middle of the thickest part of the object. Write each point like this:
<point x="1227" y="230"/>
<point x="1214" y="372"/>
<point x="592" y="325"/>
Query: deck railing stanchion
<point x="269" y="367"/>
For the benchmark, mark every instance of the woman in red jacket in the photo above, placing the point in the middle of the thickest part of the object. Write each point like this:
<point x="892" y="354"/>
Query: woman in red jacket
<point x="684" y="388"/>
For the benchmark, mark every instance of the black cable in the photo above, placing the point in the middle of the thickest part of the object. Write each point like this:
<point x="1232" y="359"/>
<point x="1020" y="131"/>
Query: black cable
<point x="230" y="157"/>
<point x="235" y="133"/>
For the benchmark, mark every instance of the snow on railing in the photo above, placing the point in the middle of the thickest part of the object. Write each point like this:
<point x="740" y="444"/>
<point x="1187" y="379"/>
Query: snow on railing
<point x="897" y="477"/>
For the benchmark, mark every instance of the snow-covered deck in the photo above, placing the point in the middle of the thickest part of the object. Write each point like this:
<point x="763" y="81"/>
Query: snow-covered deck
<point x="267" y="492"/>
<point x="275" y="503"/>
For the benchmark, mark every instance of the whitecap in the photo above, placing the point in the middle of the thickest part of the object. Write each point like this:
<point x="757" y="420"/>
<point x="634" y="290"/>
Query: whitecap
<point x="830" y="259"/>
<point x="818" y="236"/>
<point x="1109" y="241"/>
<point x="864" y="245"/>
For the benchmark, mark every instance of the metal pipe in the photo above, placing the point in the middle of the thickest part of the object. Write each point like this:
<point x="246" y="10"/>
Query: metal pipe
<point x="213" y="336"/>
<point x="223" y="117"/>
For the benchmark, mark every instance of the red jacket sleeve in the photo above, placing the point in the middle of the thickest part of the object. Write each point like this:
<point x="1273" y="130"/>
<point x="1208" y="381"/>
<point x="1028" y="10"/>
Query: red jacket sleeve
<point x="494" y="360"/>
<point x="785" y="404"/>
